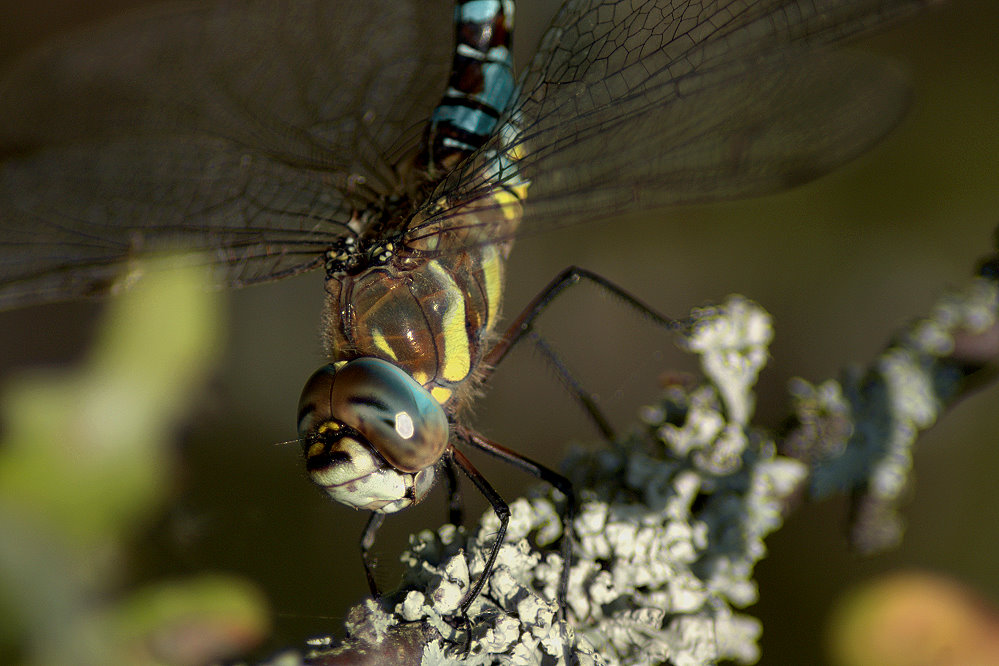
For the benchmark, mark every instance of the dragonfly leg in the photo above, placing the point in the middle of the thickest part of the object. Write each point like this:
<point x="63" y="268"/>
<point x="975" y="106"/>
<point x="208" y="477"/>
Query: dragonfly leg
<point x="523" y="326"/>
<point x="502" y="512"/>
<point x="569" y="277"/>
<point x="573" y="385"/>
<point x="455" y="508"/>
<point x="367" y="541"/>
<point x="562" y="484"/>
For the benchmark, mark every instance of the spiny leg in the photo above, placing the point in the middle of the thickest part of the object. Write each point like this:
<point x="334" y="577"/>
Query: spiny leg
<point x="502" y="511"/>
<point x="523" y="326"/>
<point x="367" y="541"/>
<point x="560" y="483"/>
<point x="573" y="385"/>
<point x="455" y="510"/>
<point x="567" y="278"/>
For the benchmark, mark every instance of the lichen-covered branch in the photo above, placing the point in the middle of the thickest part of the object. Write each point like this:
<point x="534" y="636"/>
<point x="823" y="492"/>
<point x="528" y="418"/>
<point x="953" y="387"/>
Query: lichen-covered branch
<point x="857" y="434"/>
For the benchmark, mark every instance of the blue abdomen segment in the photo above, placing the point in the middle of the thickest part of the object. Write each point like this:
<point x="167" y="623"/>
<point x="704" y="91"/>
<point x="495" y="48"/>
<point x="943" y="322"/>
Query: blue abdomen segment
<point x="481" y="82"/>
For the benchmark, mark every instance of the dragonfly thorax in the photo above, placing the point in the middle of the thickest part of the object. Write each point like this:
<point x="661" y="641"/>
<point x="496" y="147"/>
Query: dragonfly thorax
<point x="430" y="315"/>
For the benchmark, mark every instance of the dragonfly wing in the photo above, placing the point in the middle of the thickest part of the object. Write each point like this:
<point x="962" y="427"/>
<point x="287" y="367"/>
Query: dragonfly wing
<point x="636" y="105"/>
<point x="766" y="129"/>
<point x="246" y="130"/>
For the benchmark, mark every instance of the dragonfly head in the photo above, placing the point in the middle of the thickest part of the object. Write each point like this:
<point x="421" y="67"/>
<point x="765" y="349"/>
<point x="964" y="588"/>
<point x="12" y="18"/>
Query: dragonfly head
<point x="372" y="435"/>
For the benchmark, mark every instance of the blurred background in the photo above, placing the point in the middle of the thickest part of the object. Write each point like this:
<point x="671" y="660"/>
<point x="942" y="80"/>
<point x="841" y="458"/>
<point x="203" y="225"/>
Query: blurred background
<point x="840" y="263"/>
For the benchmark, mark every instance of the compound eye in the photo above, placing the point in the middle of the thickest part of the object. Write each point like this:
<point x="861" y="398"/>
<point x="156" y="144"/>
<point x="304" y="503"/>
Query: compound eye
<point x="398" y="417"/>
<point x="314" y="407"/>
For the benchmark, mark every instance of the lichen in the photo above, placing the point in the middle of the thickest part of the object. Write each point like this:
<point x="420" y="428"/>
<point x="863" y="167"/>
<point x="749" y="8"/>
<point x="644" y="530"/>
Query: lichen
<point x="859" y="433"/>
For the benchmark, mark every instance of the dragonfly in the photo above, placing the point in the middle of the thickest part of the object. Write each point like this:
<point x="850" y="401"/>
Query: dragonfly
<point x="362" y="140"/>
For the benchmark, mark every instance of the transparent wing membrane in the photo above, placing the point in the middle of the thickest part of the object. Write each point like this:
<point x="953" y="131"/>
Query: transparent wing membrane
<point x="247" y="130"/>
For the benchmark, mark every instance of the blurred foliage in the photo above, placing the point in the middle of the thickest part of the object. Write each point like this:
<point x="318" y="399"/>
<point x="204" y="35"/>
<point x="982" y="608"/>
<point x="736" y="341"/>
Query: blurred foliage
<point x="86" y="463"/>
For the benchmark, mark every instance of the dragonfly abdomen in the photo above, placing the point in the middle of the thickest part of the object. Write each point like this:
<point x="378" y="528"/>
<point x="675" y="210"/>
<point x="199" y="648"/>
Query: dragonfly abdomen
<point x="480" y="86"/>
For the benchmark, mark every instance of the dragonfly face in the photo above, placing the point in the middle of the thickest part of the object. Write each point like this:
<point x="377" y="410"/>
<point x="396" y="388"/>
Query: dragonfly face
<point x="372" y="435"/>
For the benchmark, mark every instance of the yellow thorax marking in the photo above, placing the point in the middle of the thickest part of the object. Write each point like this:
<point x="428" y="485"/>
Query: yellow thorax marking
<point x="455" y="354"/>
<point x="382" y="344"/>
<point x="441" y="394"/>
<point x="492" y="273"/>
